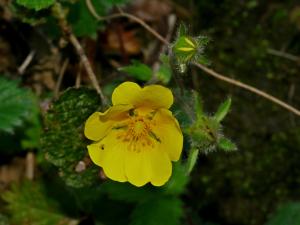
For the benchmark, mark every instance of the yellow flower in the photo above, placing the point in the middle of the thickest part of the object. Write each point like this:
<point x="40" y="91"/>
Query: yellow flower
<point x="137" y="138"/>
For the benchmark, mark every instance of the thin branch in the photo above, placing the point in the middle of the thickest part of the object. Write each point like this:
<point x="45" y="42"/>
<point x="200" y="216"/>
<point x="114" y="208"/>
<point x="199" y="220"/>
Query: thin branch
<point x="60" y="14"/>
<point x="129" y="16"/>
<point x="200" y="66"/>
<point x="283" y="55"/>
<point x="78" y="76"/>
<point x="60" y="77"/>
<point x="26" y="62"/>
<point x="249" y="88"/>
<point x="85" y="62"/>
<point x="30" y="164"/>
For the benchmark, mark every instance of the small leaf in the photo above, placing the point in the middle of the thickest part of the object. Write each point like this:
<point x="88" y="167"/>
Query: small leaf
<point x="182" y="30"/>
<point x="222" y="110"/>
<point x="226" y="145"/>
<point x="138" y="71"/>
<point x="164" y="74"/>
<point x="192" y="159"/>
<point x="36" y="4"/>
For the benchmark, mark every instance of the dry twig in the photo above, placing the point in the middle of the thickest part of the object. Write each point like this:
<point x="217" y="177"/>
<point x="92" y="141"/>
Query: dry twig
<point x="61" y="16"/>
<point x="26" y="62"/>
<point x="30" y="164"/>
<point x="283" y="55"/>
<point x="60" y="77"/>
<point x="200" y="66"/>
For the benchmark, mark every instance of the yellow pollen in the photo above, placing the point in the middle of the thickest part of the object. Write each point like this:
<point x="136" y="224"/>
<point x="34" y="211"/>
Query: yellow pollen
<point x="137" y="132"/>
<point x="139" y="127"/>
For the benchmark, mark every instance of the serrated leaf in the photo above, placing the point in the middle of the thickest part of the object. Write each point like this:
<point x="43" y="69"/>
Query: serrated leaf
<point x="29" y="204"/>
<point x="158" y="211"/>
<point x="192" y="159"/>
<point x="138" y="71"/>
<point x="288" y="214"/>
<point x="36" y="4"/>
<point x="63" y="141"/>
<point x="222" y="110"/>
<point x="227" y="145"/>
<point x="16" y="104"/>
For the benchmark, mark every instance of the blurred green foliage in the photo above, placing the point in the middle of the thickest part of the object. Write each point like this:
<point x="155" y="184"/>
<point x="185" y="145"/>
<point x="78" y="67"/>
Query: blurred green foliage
<point x="288" y="214"/>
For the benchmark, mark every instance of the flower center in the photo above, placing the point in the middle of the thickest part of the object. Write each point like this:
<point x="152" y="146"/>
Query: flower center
<point x="137" y="132"/>
<point x="139" y="127"/>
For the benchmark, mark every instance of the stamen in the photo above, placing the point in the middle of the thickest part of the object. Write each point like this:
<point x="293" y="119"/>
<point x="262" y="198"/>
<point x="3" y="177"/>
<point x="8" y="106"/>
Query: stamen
<point x="137" y="131"/>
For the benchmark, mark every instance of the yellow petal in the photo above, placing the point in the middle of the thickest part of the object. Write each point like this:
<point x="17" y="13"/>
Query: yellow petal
<point x="149" y="165"/>
<point x="94" y="128"/>
<point x="99" y="124"/>
<point x="137" y="167"/>
<point x="152" y="96"/>
<point x="116" y="113"/>
<point x="160" y="166"/>
<point x="126" y="93"/>
<point x="168" y="131"/>
<point x="185" y="49"/>
<point x="109" y="153"/>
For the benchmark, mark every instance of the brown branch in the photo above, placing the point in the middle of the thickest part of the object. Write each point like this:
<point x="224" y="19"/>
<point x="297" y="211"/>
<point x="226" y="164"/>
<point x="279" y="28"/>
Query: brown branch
<point x="200" y="66"/>
<point x="283" y="55"/>
<point x="60" y="14"/>
<point x="85" y="62"/>
<point x="129" y="16"/>
<point x="30" y="164"/>
<point x="249" y="88"/>
<point x="60" y="77"/>
<point x="78" y="76"/>
<point x="27" y="61"/>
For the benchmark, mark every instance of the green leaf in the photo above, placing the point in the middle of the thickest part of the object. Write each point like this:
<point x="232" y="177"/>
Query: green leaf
<point x="226" y="145"/>
<point x="138" y="71"/>
<point x="83" y="22"/>
<point x="288" y="214"/>
<point x="223" y="110"/>
<point x="178" y="181"/>
<point x="126" y="192"/>
<point x="29" y="204"/>
<point x="158" y="211"/>
<point x="192" y="159"/>
<point x="63" y="140"/>
<point x="16" y="104"/>
<point x="164" y="74"/>
<point x="182" y="30"/>
<point x="36" y="4"/>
